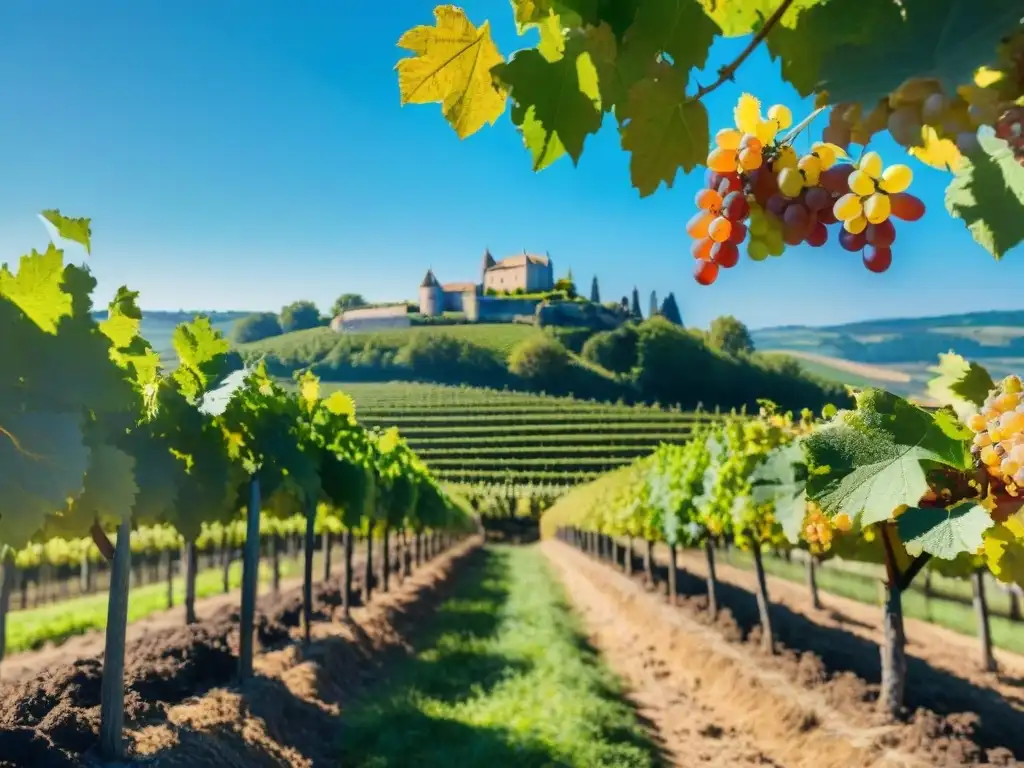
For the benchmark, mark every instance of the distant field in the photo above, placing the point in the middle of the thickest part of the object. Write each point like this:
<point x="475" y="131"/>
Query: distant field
<point x="892" y="378"/>
<point x="315" y="344"/>
<point x="469" y="435"/>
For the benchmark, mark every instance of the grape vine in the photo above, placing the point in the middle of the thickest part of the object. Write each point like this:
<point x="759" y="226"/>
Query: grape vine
<point x="944" y="78"/>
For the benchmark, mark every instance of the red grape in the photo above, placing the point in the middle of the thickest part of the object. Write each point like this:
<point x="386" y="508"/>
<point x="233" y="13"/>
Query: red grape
<point x="725" y="255"/>
<point x="763" y="184"/>
<point x="834" y="179"/>
<point x="776" y="205"/>
<point x="792" y="236"/>
<point x="826" y="215"/>
<point x="697" y="226"/>
<point x="878" y="258"/>
<point x="851" y="242"/>
<point x="883" y="235"/>
<point x="796" y="221"/>
<point x="735" y="206"/>
<point x="906" y="207"/>
<point x="818" y="199"/>
<point x="818" y="235"/>
<point x="739" y="231"/>
<point x="712" y="179"/>
<point x="729" y="183"/>
<point x="705" y="272"/>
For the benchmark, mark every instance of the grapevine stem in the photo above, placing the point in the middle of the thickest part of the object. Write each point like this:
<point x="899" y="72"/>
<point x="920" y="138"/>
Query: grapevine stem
<point x="915" y="568"/>
<point x="729" y="70"/>
<point x="801" y="127"/>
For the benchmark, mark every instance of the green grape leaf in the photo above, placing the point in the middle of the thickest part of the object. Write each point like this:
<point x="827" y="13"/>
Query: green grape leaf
<point x="679" y="28"/>
<point x="201" y="354"/>
<point x="944" y="533"/>
<point x="37" y="288"/>
<point x="109" y="490"/>
<point x="555" y="103"/>
<point x="43" y="461"/>
<point x="738" y="19"/>
<point x="868" y="461"/>
<point x="340" y="404"/>
<point x="987" y="193"/>
<point x="76" y="230"/>
<point x="960" y="384"/>
<point x="663" y="130"/>
<point x="124" y="318"/>
<point x="452" y="65"/>
<point x="946" y="40"/>
<point x="781" y="480"/>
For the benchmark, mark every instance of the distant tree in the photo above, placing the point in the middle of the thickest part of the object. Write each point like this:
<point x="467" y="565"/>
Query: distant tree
<point x="540" y="360"/>
<point x="257" y="326"/>
<point x="634" y="309"/>
<point x="613" y="350"/>
<point x="566" y="284"/>
<point x="595" y="292"/>
<point x="730" y="336"/>
<point x="625" y="305"/>
<point x="670" y="310"/>
<point x="347" y="301"/>
<point x="300" y="315"/>
<point x="653" y="309"/>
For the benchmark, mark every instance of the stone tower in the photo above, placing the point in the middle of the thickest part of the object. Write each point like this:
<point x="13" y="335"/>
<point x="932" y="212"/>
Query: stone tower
<point x="431" y="298"/>
<point x="488" y="262"/>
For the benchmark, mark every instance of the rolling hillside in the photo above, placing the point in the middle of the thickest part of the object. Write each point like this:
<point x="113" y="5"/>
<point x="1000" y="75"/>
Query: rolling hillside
<point x="896" y="353"/>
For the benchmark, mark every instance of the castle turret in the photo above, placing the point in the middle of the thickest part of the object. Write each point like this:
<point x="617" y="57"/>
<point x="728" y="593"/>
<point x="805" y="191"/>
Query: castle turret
<point x="431" y="300"/>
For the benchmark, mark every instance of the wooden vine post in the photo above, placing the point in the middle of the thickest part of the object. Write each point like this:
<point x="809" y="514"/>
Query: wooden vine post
<point x="112" y="684"/>
<point x="712" y="578"/>
<point x="307" y="569"/>
<point x="346" y="587"/>
<point x="250" y="580"/>
<point x="8" y="574"/>
<point x="191" y="563"/>
<point x="986" y="658"/>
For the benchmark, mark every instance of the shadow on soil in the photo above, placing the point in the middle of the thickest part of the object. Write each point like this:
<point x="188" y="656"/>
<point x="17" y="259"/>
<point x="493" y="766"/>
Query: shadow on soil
<point x="930" y="688"/>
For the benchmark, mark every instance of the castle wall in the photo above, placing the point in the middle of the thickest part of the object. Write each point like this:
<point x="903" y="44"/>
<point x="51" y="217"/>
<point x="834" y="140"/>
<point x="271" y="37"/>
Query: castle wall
<point x="491" y="309"/>
<point x="372" y="319"/>
<point x="430" y="301"/>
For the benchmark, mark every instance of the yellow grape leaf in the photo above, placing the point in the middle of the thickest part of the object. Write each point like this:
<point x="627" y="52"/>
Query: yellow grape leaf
<point x="340" y="404"/>
<point x="747" y="114"/>
<point x="663" y="130"/>
<point x="741" y="17"/>
<point x="37" y="288"/>
<point x="938" y="153"/>
<point x="389" y="441"/>
<point x="1004" y="550"/>
<point x="986" y="77"/>
<point x="77" y="230"/>
<point x="452" y="66"/>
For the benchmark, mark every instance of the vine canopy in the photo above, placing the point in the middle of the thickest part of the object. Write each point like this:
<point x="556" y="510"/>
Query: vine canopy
<point x="638" y="61"/>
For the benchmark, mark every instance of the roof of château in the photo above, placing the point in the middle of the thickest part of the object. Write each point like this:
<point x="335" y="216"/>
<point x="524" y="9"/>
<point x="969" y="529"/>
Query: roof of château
<point x="521" y="260"/>
<point x="429" y="281"/>
<point x="488" y="259"/>
<point x="458" y="287"/>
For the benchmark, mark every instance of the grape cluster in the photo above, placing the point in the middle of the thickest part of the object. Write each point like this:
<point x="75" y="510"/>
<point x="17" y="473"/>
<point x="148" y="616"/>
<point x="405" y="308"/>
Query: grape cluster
<point x="819" y="530"/>
<point x="762" y="186"/>
<point x="999" y="432"/>
<point x="935" y="125"/>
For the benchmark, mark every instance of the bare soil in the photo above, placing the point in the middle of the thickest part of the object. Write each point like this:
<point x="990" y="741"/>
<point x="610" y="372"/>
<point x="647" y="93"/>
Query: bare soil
<point x="281" y="717"/>
<point x="814" y="702"/>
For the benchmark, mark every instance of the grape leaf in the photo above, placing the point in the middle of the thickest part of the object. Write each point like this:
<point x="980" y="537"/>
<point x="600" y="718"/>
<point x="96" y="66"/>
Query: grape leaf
<point x="561" y="97"/>
<point x="988" y="194"/>
<point x="37" y="288"/>
<point x="679" y="28"/>
<point x="960" y="384"/>
<point x="109" y="489"/>
<point x="1004" y="551"/>
<point x="868" y="461"/>
<point x="942" y="39"/>
<point x="76" y="230"/>
<point x="340" y="404"/>
<point x="944" y="533"/>
<point x="663" y="130"/>
<point x="452" y="66"/>
<point x="43" y="460"/>
<point x="737" y="19"/>
<point x="781" y="480"/>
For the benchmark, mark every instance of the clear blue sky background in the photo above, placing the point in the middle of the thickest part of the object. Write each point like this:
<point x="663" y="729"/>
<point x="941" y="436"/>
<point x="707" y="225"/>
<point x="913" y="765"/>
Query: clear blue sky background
<point x="240" y="155"/>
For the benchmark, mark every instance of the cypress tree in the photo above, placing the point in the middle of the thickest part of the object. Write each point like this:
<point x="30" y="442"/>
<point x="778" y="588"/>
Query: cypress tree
<point x="595" y="294"/>
<point x="654" y="305"/>
<point x="670" y="310"/>
<point x="635" y="307"/>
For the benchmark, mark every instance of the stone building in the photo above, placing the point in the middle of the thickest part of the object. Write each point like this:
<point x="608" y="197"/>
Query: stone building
<point x="527" y="272"/>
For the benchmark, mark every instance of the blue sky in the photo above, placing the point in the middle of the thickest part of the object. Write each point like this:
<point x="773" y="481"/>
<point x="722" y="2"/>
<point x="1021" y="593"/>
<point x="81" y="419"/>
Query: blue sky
<point x="242" y="155"/>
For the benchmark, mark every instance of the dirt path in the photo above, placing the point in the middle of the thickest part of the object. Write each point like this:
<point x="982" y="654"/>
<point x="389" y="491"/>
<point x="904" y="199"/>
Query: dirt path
<point x="688" y="732"/>
<point x="712" y="702"/>
<point x="937" y="646"/>
<point x="90" y="644"/>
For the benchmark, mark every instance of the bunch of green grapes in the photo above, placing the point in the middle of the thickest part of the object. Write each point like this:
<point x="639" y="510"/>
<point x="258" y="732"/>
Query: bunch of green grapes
<point x="765" y="234"/>
<point x="999" y="432"/>
<point x="819" y="530"/>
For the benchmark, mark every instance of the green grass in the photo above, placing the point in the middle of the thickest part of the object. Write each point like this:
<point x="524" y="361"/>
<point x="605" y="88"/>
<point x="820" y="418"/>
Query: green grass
<point x="863" y="587"/>
<point x="316" y="343"/>
<point x="56" y="622"/>
<point x="502" y="678"/>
